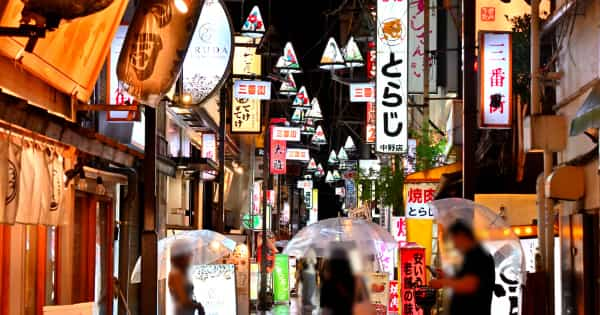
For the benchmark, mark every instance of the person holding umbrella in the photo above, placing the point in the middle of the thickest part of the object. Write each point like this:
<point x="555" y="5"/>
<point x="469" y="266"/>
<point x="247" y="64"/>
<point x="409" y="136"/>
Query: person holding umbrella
<point x="180" y="286"/>
<point x="474" y="283"/>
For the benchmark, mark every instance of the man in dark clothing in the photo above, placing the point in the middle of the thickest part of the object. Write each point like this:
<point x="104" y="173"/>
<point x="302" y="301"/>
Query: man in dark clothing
<point x="474" y="282"/>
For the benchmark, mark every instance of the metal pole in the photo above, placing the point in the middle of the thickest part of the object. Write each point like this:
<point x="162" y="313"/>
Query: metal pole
<point x="469" y="100"/>
<point x="223" y="99"/>
<point x="149" y="284"/>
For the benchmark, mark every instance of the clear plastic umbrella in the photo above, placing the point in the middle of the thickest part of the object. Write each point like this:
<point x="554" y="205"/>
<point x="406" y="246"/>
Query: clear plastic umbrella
<point x="496" y="236"/>
<point x="347" y="233"/>
<point x="204" y="246"/>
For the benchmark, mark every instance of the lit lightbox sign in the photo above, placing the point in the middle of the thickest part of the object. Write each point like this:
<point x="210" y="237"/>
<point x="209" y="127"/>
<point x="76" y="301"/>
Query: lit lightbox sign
<point x="210" y="54"/>
<point x="297" y="154"/>
<point x="362" y="92"/>
<point x="495" y="78"/>
<point x="291" y="134"/>
<point x="260" y="90"/>
<point x="392" y="76"/>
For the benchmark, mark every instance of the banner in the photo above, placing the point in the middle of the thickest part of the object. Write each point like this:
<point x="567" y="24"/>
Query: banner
<point x="392" y="76"/>
<point x="278" y="152"/>
<point x="291" y="134"/>
<point x="214" y="287"/>
<point x="411" y="274"/>
<point x="416" y="45"/>
<point x="314" y="210"/>
<point x="394" y="297"/>
<point x="281" y="275"/>
<point x="495" y="77"/>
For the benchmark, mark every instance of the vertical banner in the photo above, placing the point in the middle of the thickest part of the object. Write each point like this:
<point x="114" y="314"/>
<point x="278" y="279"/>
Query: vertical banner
<point x="377" y="284"/>
<point x="392" y="76"/>
<point x="281" y="283"/>
<point x="416" y="45"/>
<point x="394" y="299"/>
<point x="245" y="115"/>
<point x="398" y="228"/>
<point x="314" y="212"/>
<point x="350" y="201"/>
<point x="419" y="217"/>
<point x="495" y="78"/>
<point x="209" y="146"/>
<point x="278" y="158"/>
<point x="370" y="126"/>
<point x="411" y="274"/>
<point x="254" y="281"/>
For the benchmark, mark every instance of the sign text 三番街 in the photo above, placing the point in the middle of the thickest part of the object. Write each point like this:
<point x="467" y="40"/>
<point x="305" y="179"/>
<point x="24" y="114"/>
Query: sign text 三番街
<point x="495" y="76"/>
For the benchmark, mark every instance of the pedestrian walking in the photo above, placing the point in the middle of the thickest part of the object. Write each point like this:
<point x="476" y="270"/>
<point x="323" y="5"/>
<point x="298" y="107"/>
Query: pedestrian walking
<point x="181" y="288"/>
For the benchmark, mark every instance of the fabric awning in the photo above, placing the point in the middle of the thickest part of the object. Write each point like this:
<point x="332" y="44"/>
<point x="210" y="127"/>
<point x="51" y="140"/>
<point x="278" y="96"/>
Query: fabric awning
<point x="588" y="115"/>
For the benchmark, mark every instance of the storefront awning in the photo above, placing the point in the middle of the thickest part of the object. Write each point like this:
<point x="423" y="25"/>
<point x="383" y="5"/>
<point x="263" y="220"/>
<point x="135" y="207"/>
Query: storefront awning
<point x="588" y="115"/>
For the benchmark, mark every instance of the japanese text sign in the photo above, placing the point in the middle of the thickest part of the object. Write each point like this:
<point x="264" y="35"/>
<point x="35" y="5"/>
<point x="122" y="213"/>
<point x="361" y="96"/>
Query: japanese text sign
<point x="394" y="299"/>
<point x="245" y="115"/>
<point x="412" y="275"/>
<point x="304" y="184"/>
<point x="398" y="228"/>
<point x="260" y="90"/>
<point x="362" y="92"/>
<point x="245" y="60"/>
<point x="392" y="76"/>
<point x="313" y="216"/>
<point x="495" y="78"/>
<point x="209" y="146"/>
<point x="297" y="154"/>
<point x="418" y="197"/>
<point x="416" y="45"/>
<point x="278" y="151"/>
<point x="286" y="134"/>
<point x="370" y="126"/>
<point x="377" y="284"/>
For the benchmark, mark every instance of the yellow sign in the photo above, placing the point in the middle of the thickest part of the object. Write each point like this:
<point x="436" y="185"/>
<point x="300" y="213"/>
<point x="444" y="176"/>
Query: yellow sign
<point x="245" y="115"/>
<point x="245" y="60"/>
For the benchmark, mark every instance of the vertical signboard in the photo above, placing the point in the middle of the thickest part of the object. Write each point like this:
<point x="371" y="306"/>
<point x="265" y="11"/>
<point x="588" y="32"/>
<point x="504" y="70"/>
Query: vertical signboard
<point x="412" y="274"/>
<point x="278" y="158"/>
<point x="398" y="228"/>
<point x="370" y="128"/>
<point x="377" y="284"/>
<point x="245" y="115"/>
<point x="214" y="287"/>
<point x="392" y="76"/>
<point x="394" y="299"/>
<point x="254" y="281"/>
<point x="416" y="45"/>
<point x="209" y="146"/>
<point x="117" y="95"/>
<point x="314" y="210"/>
<point x="495" y="78"/>
<point x="281" y="276"/>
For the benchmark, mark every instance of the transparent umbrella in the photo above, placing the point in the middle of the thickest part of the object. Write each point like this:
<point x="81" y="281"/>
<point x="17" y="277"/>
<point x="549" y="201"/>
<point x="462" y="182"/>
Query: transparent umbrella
<point x="495" y="235"/>
<point x="204" y="246"/>
<point x="347" y="233"/>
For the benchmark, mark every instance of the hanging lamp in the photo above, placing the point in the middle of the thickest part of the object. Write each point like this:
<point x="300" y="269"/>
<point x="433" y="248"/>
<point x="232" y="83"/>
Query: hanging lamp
<point x="332" y="58"/>
<point x="352" y="55"/>
<point x="288" y="63"/>
<point x="254" y="26"/>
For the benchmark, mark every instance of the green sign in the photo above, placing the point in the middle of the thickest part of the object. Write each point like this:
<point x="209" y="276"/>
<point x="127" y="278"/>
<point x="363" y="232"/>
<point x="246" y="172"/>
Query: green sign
<point x="281" y="278"/>
<point x="252" y="222"/>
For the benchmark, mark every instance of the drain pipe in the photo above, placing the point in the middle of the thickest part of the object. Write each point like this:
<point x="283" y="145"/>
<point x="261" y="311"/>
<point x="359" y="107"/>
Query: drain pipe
<point x="545" y="205"/>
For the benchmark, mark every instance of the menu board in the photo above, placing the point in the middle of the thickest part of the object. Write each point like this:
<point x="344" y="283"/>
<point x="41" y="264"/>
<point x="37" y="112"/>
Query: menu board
<point x="378" y="287"/>
<point x="214" y="287"/>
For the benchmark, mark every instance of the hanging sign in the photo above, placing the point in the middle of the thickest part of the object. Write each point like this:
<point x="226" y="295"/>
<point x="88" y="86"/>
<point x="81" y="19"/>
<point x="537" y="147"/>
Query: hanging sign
<point x="245" y="60"/>
<point x="214" y="287"/>
<point x="117" y="94"/>
<point x="278" y="159"/>
<point x="412" y="275"/>
<point x="254" y="281"/>
<point x="398" y="228"/>
<point x="495" y="77"/>
<point x="370" y="126"/>
<point x="210" y="54"/>
<point x="418" y="197"/>
<point x="392" y="76"/>
<point x="377" y="284"/>
<point x="297" y="154"/>
<point x="245" y="115"/>
<point x="291" y="134"/>
<point x="209" y="146"/>
<point x="281" y="282"/>
<point x="394" y="299"/>
<point x="313" y="216"/>
<point x="362" y="92"/>
<point x="260" y="90"/>
<point x="416" y="45"/>
<point x="304" y="184"/>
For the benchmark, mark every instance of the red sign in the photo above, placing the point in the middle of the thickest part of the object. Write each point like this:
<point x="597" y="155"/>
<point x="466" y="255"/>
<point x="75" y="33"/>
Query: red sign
<point x="252" y="89"/>
<point x="286" y="133"/>
<point x="278" y="156"/>
<point x="370" y="131"/>
<point x="394" y="301"/>
<point x="412" y="275"/>
<point x="488" y="14"/>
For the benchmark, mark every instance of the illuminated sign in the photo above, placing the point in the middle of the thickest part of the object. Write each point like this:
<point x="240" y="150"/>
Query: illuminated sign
<point x="210" y="52"/>
<point x="209" y="146"/>
<point x="313" y="216"/>
<point x="260" y="90"/>
<point x="281" y="276"/>
<point x="398" y="228"/>
<point x="297" y="154"/>
<point x="392" y="76"/>
<point x="495" y="78"/>
<point x="286" y="134"/>
<point x="412" y="275"/>
<point x="362" y="92"/>
<point x="377" y="284"/>
<point x="393" y="305"/>
<point x="278" y="155"/>
<point x="418" y="197"/>
<point x="245" y="60"/>
<point x="416" y="45"/>
<point x="370" y="126"/>
<point x="304" y="184"/>
<point x="116" y="93"/>
<point x="245" y="115"/>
